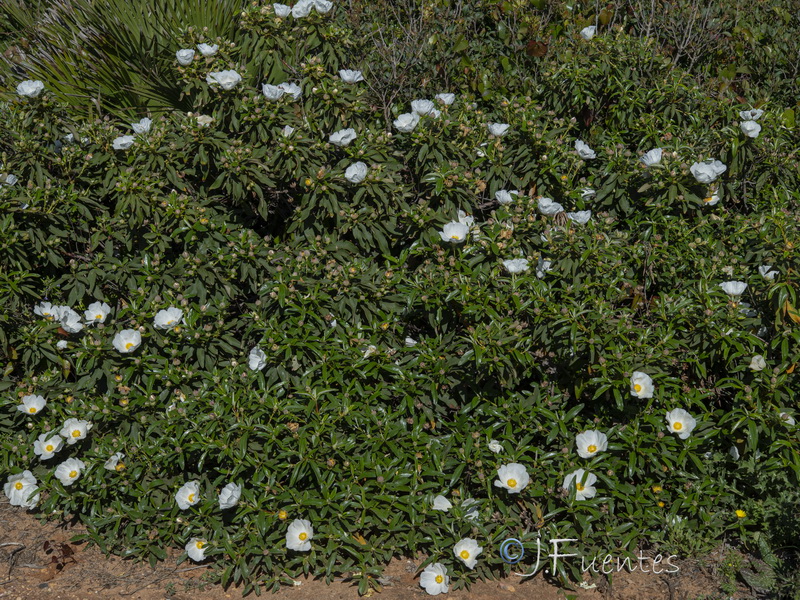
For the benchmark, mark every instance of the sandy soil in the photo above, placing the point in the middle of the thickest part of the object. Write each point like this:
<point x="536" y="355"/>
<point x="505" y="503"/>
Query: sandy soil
<point x="39" y="562"/>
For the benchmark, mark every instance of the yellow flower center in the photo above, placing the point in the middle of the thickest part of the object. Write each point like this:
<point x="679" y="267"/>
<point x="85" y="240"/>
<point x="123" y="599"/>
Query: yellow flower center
<point x="657" y="489"/>
<point x="120" y="467"/>
<point x="708" y="199"/>
<point x="32" y="410"/>
<point x="73" y="474"/>
<point x="453" y="237"/>
<point x="98" y="317"/>
<point x="176" y="329"/>
<point x="303" y="536"/>
<point x="283" y="515"/>
<point x="439" y="579"/>
<point x="591" y="448"/>
<point x="190" y="498"/>
<point x="579" y="486"/>
<point x="129" y="345"/>
<point x="49" y="447"/>
<point x="76" y="433"/>
<point x="199" y="545"/>
<point x="741" y="514"/>
<point x="464" y="554"/>
<point x="511" y="483"/>
<point x="170" y="322"/>
<point x="637" y="388"/>
<point x="18" y="485"/>
<point x="661" y="505"/>
<point x="677" y="425"/>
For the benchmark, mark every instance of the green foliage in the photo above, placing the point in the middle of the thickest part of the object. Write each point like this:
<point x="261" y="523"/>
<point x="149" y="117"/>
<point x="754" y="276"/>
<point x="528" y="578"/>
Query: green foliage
<point x="392" y="357"/>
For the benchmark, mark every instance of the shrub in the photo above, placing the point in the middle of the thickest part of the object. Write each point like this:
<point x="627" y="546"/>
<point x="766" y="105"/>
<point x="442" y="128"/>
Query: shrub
<point x="397" y="364"/>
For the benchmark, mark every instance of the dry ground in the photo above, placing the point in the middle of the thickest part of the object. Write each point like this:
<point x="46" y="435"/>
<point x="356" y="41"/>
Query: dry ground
<point x="38" y="562"/>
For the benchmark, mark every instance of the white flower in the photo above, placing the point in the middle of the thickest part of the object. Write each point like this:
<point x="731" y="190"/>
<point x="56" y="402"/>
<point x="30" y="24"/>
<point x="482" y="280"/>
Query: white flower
<point x="11" y="180"/>
<point x="434" y="579"/>
<point x="62" y="345"/>
<point x="547" y="206"/>
<point x="641" y="385"/>
<point x="188" y="495"/>
<point x="465" y="219"/>
<point x="757" y="363"/>
<point x="170" y="317"/>
<point x="287" y="131"/>
<point x="765" y="272"/>
<point x="584" y="484"/>
<point x="587" y="193"/>
<point x="652" y="157"/>
<point x="707" y="171"/>
<point x="370" y="351"/>
<point x="299" y="535"/>
<point x="74" y="430"/>
<point x="196" y="549"/>
<point x="127" y="340"/>
<point x="514" y="477"/>
<point x="20" y="490"/>
<point x="302" y="9"/>
<point x="47" y="310"/>
<point x="229" y="496"/>
<point x="581" y="217"/>
<point x="587" y="33"/>
<point x="712" y="199"/>
<point x="30" y="89"/>
<point x="454" y="232"/>
<point x="442" y="503"/>
<point x="47" y="445"/>
<point x="495" y="446"/>
<point x="350" y="76"/>
<point x="446" y="99"/>
<point x="257" y="359"/>
<point x="185" y="56"/>
<point x="113" y="464"/>
<point x="681" y="422"/>
<point x="294" y="90"/>
<point x="543" y="267"/>
<point x="734" y="452"/>
<point x="733" y="288"/>
<point x="753" y="114"/>
<point x="281" y="10"/>
<point x="505" y="196"/>
<point x="786" y="418"/>
<point x="590" y="443"/>
<point x="322" y="6"/>
<point x="70" y="321"/>
<point x="516" y="265"/>
<point x="208" y="50"/>
<point x="468" y="550"/>
<point x="498" y="129"/>
<point x="342" y="137"/>
<point x="272" y="92"/>
<point x="356" y="172"/>
<point x="204" y="120"/>
<point x="406" y="122"/>
<point x="410" y="342"/>
<point x="96" y="312"/>
<point x="123" y="142"/>
<point x="143" y="126"/>
<point x="750" y="128"/>
<point x="32" y="404"/>
<point x="583" y="150"/>
<point x="470" y="507"/>
<point x="227" y="80"/>
<point x="422" y="107"/>
<point x="69" y="470"/>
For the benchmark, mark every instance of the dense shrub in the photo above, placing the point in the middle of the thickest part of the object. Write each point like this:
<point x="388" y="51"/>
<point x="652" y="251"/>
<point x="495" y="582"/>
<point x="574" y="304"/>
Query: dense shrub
<point x="400" y="364"/>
